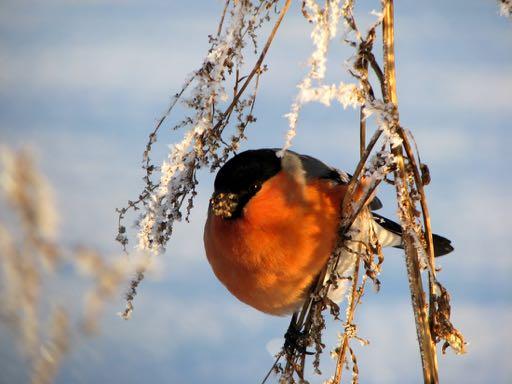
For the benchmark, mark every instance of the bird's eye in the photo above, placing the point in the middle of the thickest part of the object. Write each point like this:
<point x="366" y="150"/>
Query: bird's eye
<point x="255" y="187"/>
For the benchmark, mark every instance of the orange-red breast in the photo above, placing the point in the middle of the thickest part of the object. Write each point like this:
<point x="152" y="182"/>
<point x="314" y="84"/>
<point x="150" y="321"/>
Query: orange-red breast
<point x="272" y="224"/>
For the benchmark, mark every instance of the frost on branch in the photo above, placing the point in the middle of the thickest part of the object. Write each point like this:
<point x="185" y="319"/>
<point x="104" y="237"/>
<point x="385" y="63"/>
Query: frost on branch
<point x="381" y="157"/>
<point x="170" y="188"/>
<point x="201" y="143"/>
<point x="205" y="96"/>
<point x="326" y="21"/>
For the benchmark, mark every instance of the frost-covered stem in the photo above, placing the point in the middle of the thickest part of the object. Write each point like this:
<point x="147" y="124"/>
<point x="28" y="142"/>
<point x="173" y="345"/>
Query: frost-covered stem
<point x="353" y="181"/>
<point x="426" y="219"/>
<point x="426" y="343"/>
<point x="362" y="118"/>
<point x="257" y="67"/>
<point x="425" y="340"/>
<point x="354" y="300"/>
<point x="423" y="199"/>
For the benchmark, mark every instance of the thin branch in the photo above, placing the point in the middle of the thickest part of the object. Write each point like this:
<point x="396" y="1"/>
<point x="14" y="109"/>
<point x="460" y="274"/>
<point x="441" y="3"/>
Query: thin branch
<point x="359" y="169"/>
<point x="355" y="277"/>
<point x="257" y="65"/>
<point x="221" y="22"/>
<point x="278" y="357"/>
<point x="423" y="199"/>
<point x="362" y="132"/>
<point x="350" y="318"/>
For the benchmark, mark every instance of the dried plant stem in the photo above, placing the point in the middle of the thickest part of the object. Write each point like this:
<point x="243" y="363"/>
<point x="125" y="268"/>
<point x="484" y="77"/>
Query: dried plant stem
<point x="278" y="357"/>
<point x="409" y="185"/>
<point x="423" y="198"/>
<point x="346" y="223"/>
<point x="257" y="66"/>
<point x="221" y="22"/>
<point x="426" y="219"/>
<point x="362" y="132"/>
<point x="354" y="300"/>
<point x="425" y="340"/>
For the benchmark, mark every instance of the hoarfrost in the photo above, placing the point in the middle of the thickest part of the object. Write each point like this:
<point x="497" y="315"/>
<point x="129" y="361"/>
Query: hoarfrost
<point x="311" y="88"/>
<point x="202" y="144"/>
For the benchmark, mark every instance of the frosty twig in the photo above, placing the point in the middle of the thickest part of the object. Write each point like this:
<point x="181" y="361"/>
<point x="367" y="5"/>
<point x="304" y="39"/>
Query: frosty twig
<point x="368" y="174"/>
<point x="203" y="144"/>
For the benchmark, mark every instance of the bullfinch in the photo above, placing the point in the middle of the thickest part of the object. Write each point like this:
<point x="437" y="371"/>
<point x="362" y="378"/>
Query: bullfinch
<point x="272" y="225"/>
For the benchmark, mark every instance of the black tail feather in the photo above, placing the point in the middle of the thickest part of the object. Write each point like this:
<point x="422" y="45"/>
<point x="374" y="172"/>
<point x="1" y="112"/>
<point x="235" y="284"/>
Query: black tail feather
<point x="442" y="245"/>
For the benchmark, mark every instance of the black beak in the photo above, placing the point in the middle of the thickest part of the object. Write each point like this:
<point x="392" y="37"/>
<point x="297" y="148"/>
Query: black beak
<point x="224" y="204"/>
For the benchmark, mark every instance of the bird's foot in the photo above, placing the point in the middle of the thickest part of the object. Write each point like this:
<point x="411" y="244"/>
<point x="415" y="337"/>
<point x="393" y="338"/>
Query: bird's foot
<point x="296" y="341"/>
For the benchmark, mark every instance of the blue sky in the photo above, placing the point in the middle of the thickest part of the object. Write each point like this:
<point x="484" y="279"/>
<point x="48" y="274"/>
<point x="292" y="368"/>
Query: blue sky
<point x="82" y="82"/>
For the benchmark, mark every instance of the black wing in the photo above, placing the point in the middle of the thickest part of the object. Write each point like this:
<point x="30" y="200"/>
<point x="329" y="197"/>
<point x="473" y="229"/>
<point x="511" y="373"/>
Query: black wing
<point x="316" y="169"/>
<point x="442" y="245"/>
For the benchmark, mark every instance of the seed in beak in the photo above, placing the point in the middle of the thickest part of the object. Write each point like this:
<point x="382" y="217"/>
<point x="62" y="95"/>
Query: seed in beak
<point x="224" y="204"/>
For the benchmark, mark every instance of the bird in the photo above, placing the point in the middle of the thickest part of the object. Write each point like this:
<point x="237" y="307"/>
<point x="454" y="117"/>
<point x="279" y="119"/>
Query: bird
<point x="272" y="225"/>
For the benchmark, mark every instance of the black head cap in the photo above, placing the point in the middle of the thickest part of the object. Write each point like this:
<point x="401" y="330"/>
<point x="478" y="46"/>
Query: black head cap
<point x="242" y="176"/>
<point x="240" y="179"/>
<point x="247" y="169"/>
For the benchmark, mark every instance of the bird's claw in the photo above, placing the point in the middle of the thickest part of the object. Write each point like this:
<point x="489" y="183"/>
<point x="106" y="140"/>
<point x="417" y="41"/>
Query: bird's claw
<point x="296" y="341"/>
